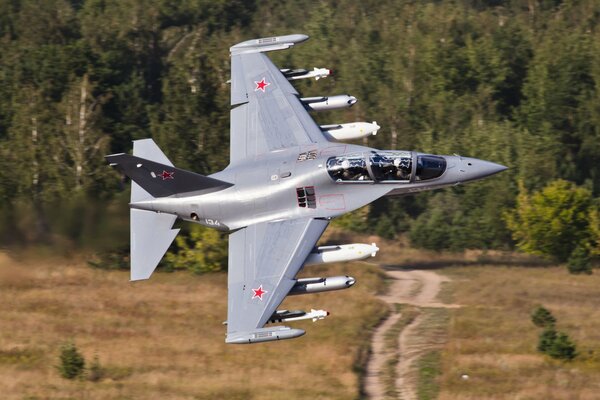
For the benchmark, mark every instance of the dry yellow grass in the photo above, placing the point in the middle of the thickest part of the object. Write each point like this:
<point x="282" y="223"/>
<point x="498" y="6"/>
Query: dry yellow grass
<point x="164" y="338"/>
<point x="492" y="338"/>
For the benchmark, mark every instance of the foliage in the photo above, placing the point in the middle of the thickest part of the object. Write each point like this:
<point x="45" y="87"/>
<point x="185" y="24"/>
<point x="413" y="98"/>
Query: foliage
<point x="117" y="258"/>
<point x="201" y="250"/>
<point x="555" y="344"/>
<point x="546" y="339"/>
<point x="96" y="371"/>
<point x="493" y="80"/>
<point x="429" y="372"/>
<point x="552" y="222"/>
<point x="72" y="363"/>
<point x="562" y="348"/>
<point x="356" y="221"/>
<point x="579" y="261"/>
<point x="595" y="229"/>
<point x="543" y="318"/>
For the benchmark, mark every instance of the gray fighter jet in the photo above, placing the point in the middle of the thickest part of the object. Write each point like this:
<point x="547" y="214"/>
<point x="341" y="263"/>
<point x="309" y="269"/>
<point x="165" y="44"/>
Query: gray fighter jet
<point x="287" y="178"/>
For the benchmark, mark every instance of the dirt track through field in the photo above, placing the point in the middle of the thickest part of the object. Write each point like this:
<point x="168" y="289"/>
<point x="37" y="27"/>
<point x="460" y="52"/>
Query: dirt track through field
<point x="417" y="288"/>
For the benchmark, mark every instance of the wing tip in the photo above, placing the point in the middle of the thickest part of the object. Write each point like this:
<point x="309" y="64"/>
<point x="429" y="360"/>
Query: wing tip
<point x="264" y="335"/>
<point x="268" y="44"/>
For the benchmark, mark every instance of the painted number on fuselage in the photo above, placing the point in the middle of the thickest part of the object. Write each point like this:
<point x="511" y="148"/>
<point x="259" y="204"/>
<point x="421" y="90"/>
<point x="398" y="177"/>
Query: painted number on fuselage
<point x="212" y="222"/>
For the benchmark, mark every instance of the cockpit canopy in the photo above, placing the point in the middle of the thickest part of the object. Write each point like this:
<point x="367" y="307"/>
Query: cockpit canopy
<point x="385" y="166"/>
<point x="349" y="167"/>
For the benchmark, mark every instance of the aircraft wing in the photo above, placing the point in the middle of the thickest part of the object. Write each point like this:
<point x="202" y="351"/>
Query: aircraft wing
<point x="263" y="262"/>
<point x="267" y="113"/>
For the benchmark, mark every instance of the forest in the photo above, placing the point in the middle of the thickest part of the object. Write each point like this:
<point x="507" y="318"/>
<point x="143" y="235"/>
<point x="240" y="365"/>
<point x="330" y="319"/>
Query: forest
<point x="514" y="82"/>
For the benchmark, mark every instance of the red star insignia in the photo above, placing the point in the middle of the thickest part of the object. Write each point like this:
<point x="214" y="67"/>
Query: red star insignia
<point x="261" y="85"/>
<point x="259" y="292"/>
<point x="167" y="175"/>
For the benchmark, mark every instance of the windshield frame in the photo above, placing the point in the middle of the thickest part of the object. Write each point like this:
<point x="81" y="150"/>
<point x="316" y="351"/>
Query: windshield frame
<point x="334" y="163"/>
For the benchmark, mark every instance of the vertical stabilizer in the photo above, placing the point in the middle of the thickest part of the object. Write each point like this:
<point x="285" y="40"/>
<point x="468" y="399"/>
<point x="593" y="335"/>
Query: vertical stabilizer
<point x="151" y="235"/>
<point x="146" y="148"/>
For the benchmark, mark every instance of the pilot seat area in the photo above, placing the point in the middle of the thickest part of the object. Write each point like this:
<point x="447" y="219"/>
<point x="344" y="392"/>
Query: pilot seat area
<point x="385" y="166"/>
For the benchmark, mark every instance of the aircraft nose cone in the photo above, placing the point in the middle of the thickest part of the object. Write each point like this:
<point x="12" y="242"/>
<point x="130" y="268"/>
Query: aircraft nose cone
<point x="472" y="169"/>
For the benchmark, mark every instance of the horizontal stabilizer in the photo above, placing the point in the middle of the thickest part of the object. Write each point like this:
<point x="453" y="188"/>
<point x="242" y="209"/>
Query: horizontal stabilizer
<point x="151" y="236"/>
<point x="264" y="335"/>
<point x="162" y="180"/>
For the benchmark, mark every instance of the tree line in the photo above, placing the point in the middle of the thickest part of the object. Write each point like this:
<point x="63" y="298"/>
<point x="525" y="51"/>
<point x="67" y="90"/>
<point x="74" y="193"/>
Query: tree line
<point x="514" y="82"/>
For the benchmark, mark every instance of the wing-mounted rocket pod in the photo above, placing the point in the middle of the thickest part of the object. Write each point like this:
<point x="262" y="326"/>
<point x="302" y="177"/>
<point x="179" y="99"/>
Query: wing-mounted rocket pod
<point x="342" y="252"/>
<point x="298" y="315"/>
<point x="351" y="131"/>
<point x="323" y="103"/>
<point x="317" y="285"/>
<point x="294" y="74"/>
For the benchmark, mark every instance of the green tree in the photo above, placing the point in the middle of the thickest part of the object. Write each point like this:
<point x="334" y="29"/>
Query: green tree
<point x="552" y="222"/>
<point x="543" y="318"/>
<point x="562" y="348"/>
<point x="579" y="261"/>
<point x="72" y="363"/>
<point x="546" y="339"/>
<point x="201" y="250"/>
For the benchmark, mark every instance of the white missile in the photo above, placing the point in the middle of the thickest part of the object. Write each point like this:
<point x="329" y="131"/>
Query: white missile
<point x="342" y="252"/>
<point x="354" y="130"/>
<point x="317" y="285"/>
<point x="285" y="315"/>
<point x="317" y="73"/>
<point x="328" y="102"/>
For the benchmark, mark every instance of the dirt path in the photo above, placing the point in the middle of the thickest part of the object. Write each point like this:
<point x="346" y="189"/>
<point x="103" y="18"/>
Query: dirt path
<point x="413" y="287"/>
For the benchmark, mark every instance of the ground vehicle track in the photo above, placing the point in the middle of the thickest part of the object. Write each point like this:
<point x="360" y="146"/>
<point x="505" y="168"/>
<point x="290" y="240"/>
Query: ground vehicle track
<point x="413" y="287"/>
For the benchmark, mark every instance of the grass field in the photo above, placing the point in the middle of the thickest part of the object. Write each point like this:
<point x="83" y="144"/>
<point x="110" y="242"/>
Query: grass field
<point x="492" y="339"/>
<point x="164" y="338"/>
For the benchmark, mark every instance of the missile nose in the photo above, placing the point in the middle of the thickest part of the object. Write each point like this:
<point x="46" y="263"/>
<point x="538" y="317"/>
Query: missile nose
<point x="374" y="249"/>
<point x="350" y="281"/>
<point x="376" y="128"/>
<point x="352" y="100"/>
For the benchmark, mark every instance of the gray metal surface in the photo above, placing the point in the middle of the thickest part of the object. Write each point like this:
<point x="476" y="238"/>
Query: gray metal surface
<point x="263" y="261"/>
<point x="161" y="180"/>
<point x="146" y="148"/>
<point x="269" y="115"/>
<point x="151" y="236"/>
<point x="285" y="181"/>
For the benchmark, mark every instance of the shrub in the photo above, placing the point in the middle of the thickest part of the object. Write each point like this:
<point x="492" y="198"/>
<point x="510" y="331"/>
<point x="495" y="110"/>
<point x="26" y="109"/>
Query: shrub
<point x="72" y="363"/>
<point x="96" y="372"/>
<point x="546" y="340"/>
<point x="200" y="249"/>
<point x="552" y="222"/>
<point x="579" y="262"/>
<point x="543" y="318"/>
<point x="557" y="345"/>
<point x="562" y="348"/>
<point x="385" y="228"/>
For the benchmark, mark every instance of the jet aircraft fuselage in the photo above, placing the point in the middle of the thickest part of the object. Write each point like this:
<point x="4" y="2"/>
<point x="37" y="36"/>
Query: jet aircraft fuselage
<point x="309" y="181"/>
<point x="287" y="178"/>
